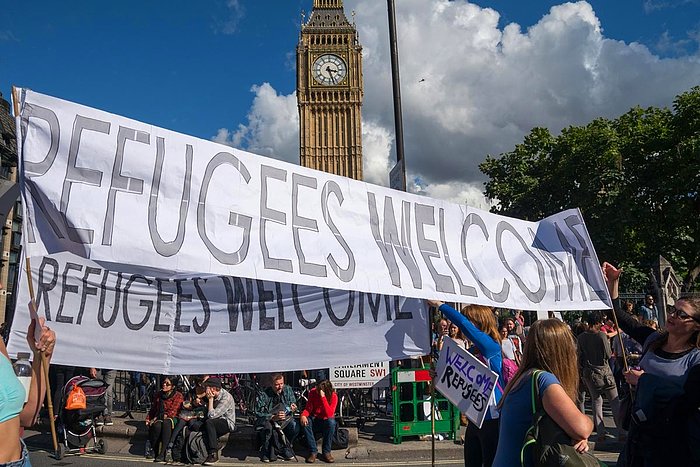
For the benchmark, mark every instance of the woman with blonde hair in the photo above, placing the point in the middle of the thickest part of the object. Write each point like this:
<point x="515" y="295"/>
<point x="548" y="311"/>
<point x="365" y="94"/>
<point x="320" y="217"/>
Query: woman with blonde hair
<point x="549" y="347"/>
<point x="478" y="324"/>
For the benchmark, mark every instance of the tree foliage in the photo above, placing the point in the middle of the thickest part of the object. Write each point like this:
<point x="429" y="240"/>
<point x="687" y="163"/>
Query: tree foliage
<point x="635" y="178"/>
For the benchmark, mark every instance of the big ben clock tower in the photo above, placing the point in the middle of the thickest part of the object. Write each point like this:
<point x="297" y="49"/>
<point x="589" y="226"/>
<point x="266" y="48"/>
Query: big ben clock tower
<point x="329" y="92"/>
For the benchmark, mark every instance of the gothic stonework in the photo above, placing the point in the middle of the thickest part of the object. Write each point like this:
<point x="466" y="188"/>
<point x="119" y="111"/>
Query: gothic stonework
<point x="329" y="92"/>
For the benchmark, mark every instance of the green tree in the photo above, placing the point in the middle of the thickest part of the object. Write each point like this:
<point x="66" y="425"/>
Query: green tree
<point x="635" y="178"/>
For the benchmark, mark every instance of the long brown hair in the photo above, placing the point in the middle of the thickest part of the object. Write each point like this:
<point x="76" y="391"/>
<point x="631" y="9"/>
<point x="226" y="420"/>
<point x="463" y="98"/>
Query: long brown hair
<point x="327" y="387"/>
<point x="550" y="347"/>
<point x="484" y="319"/>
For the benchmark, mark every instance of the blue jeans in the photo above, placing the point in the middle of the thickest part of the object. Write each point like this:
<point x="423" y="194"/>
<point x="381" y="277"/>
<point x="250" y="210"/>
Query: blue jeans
<point x="325" y="427"/>
<point x="23" y="461"/>
<point x="291" y="431"/>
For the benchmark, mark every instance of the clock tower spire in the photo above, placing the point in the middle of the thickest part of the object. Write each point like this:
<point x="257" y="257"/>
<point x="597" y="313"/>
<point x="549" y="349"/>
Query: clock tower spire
<point x="329" y="91"/>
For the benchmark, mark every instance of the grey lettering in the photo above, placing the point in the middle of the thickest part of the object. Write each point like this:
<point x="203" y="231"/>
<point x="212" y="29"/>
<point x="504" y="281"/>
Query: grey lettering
<point x="425" y="215"/>
<point x="475" y="219"/>
<point x="148" y="304"/>
<point x="538" y="295"/>
<point x="75" y="174"/>
<point x="391" y="241"/>
<point x="87" y="290"/>
<point x="345" y="275"/>
<point x="119" y="181"/>
<point x="239" y="220"/>
<point x="270" y="215"/>
<point x="304" y="223"/>
<point x="161" y="246"/>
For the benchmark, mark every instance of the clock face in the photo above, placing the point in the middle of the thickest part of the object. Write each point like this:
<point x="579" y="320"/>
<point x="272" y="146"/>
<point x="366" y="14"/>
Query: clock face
<point x="329" y="70"/>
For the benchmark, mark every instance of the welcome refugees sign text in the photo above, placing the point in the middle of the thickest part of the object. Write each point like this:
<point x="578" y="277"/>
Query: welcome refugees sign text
<point x="116" y="190"/>
<point x="132" y="198"/>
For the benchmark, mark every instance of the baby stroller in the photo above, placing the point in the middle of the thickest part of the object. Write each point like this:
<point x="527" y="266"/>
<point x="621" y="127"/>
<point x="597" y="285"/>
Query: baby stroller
<point x="77" y="427"/>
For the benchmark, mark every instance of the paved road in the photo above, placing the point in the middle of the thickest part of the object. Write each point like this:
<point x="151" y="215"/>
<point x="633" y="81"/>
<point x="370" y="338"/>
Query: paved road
<point x="41" y="458"/>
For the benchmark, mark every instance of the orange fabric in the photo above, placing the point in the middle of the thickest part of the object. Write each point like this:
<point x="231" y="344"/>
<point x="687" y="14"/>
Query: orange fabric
<point x="76" y="399"/>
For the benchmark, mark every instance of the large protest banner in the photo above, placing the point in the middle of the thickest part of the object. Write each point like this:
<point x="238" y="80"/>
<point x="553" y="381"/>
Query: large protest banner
<point x="465" y="381"/>
<point x="112" y="189"/>
<point x="159" y="322"/>
<point x="112" y="206"/>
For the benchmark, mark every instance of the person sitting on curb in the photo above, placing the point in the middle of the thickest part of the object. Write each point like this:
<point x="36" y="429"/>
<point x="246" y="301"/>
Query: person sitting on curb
<point x="275" y="407"/>
<point x="319" y="416"/>
<point x="221" y="417"/>
<point x="191" y="416"/>
<point x="162" y="417"/>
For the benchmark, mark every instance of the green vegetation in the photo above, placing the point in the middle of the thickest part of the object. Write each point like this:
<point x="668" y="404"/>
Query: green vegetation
<point x="635" y="178"/>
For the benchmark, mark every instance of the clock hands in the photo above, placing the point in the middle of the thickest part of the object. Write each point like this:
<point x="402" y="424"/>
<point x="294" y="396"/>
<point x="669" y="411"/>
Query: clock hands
<point x="330" y="72"/>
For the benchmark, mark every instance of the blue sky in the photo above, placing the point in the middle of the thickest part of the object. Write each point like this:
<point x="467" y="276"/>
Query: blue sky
<point x="225" y="70"/>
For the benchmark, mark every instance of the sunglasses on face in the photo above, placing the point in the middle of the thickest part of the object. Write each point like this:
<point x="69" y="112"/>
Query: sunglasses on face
<point x="680" y="314"/>
<point x="165" y="383"/>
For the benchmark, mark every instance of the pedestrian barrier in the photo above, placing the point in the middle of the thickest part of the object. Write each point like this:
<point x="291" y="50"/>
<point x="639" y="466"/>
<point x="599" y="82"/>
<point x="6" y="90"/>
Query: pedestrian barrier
<point x="412" y="414"/>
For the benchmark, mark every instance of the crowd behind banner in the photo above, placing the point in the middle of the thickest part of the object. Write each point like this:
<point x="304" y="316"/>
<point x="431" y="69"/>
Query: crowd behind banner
<point x="650" y="377"/>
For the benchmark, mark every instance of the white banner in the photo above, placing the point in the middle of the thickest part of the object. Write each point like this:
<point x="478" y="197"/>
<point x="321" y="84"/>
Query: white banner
<point x="363" y="375"/>
<point x="465" y="381"/>
<point x="160" y="322"/>
<point x="117" y="191"/>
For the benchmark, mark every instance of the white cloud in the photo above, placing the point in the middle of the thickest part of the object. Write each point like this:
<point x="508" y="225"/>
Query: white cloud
<point x="470" y="88"/>
<point x="376" y="151"/>
<point x="228" y="23"/>
<point x="273" y="126"/>
<point x="6" y="35"/>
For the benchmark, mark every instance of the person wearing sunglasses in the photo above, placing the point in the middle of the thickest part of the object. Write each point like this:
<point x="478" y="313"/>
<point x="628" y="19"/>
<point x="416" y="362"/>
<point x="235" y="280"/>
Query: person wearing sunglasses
<point x="162" y="417"/>
<point x="666" y="422"/>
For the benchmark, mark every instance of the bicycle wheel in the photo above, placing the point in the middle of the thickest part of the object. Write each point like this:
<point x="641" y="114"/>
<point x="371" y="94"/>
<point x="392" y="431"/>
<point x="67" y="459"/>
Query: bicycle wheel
<point x="344" y="408"/>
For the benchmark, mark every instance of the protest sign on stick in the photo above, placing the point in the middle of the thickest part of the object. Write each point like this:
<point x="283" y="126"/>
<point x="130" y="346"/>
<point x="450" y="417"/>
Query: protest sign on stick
<point x="465" y="381"/>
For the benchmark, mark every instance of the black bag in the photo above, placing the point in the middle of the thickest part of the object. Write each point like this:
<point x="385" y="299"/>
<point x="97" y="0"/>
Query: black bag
<point x="341" y="438"/>
<point x="196" y="448"/>
<point x="179" y="446"/>
<point x="625" y="410"/>
<point x="551" y="446"/>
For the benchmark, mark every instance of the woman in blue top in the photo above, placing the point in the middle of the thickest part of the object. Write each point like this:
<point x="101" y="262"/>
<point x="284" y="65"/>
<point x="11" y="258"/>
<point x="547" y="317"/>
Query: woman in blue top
<point x="668" y="379"/>
<point x="479" y="325"/>
<point x="14" y="412"/>
<point x="549" y="347"/>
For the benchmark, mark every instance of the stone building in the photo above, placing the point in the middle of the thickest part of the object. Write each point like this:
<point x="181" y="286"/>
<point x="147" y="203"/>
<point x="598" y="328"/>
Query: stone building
<point x="11" y="241"/>
<point x="330" y="91"/>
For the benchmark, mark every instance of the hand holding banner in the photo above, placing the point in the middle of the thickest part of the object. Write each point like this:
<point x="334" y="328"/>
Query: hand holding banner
<point x="465" y="381"/>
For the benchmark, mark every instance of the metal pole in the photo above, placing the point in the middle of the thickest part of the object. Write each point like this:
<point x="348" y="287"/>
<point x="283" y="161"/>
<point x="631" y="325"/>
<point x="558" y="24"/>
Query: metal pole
<point x="396" y="84"/>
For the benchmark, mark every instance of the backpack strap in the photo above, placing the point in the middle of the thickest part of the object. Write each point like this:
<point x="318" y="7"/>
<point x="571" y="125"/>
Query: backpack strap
<point x="531" y="434"/>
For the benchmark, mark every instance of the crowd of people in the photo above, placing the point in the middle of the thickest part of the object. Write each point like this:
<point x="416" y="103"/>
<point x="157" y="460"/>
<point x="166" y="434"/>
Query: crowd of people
<point x="650" y="377"/>
<point x="211" y="410"/>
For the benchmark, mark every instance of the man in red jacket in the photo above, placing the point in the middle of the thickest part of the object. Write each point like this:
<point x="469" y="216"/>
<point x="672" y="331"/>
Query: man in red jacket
<point x="319" y="417"/>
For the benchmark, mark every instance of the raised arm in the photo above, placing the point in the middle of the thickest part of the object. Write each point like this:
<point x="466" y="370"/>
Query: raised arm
<point x="485" y="343"/>
<point x="629" y="325"/>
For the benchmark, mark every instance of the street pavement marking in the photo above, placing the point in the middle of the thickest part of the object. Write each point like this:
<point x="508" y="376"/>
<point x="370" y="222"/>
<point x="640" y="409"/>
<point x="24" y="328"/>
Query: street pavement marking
<point x="233" y="464"/>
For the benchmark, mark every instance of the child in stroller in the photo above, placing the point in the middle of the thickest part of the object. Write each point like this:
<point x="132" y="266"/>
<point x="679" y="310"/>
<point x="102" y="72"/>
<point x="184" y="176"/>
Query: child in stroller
<point x="77" y="420"/>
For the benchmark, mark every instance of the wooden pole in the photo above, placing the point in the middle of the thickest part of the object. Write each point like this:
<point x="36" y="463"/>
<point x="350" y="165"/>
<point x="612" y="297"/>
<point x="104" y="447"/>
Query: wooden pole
<point x="44" y="364"/>
<point x="15" y="100"/>
<point x="622" y="344"/>
<point x="44" y="369"/>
